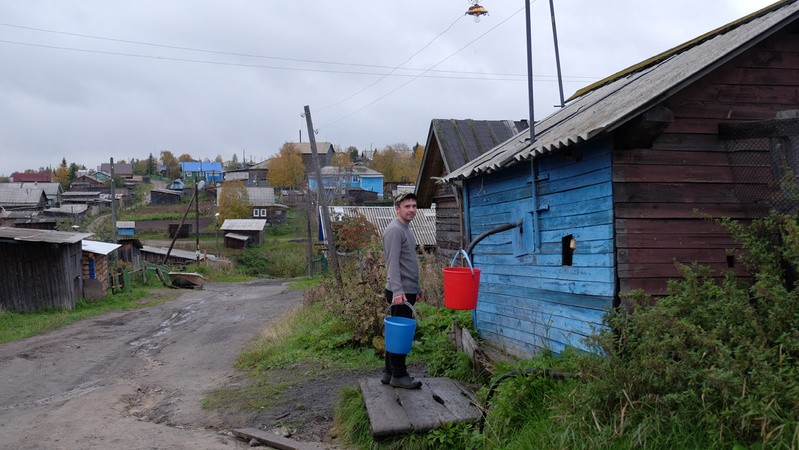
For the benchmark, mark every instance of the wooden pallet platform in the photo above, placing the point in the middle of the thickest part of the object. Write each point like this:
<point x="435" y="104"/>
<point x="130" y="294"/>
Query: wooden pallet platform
<point x="438" y="402"/>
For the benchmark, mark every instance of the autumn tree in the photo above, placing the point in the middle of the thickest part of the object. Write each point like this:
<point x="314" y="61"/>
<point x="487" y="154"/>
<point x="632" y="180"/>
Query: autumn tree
<point x="61" y="174"/>
<point x="396" y="163"/>
<point x="234" y="202"/>
<point x="341" y="159"/>
<point x="185" y="157"/>
<point x="171" y="163"/>
<point x="286" y="169"/>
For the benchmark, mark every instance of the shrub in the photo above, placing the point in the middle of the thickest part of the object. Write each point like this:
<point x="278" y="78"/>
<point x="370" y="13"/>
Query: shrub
<point x="718" y="361"/>
<point x="353" y="233"/>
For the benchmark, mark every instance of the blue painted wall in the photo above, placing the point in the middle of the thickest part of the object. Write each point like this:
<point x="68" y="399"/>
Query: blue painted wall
<point x="374" y="184"/>
<point x="528" y="299"/>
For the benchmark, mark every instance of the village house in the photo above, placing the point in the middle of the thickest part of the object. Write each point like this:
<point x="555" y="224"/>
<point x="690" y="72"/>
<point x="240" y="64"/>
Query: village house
<point x="450" y="144"/>
<point x="324" y="151"/>
<point x="210" y="172"/>
<point x="124" y="170"/>
<point x="619" y="184"/>
<point x="339" y="181"/>
<point x="32" y="177"/>
<point x="241" y="233"/>
<point x="41" y="269"/>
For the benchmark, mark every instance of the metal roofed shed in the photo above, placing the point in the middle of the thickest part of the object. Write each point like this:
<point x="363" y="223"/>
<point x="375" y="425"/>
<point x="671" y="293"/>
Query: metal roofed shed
<point x="40" y="269"/>
<point x="252" y="228"/>
<point x="96" y="268"/>
<point x="423" y="225"/>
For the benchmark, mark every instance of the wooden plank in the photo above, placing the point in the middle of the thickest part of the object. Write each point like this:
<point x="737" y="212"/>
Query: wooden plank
<point x="273" y="440"/>
<point x="386" y="415"/>
<point x="399" y="411"/>
<point x="459" y="401"/>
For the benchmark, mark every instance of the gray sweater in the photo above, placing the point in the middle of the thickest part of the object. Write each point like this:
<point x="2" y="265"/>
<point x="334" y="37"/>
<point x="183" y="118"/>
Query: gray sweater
<point x="402" y="266"/>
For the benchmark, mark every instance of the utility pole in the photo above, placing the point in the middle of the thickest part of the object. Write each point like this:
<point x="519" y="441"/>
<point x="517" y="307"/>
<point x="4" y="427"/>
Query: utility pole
<point x="325" y="213"/>
<point x="113" y="206"/>
<point x="197" y="215"/>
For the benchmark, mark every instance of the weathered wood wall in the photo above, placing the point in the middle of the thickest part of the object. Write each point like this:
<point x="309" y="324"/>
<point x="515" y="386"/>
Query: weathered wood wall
<point x="448" y="223"/>
<point x="36" y="276"/>
<point x="534" y="301"/>
<point x="662" y="193"/>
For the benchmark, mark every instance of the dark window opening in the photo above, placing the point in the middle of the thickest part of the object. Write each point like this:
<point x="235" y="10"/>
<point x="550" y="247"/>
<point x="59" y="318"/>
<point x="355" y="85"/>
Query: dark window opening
<point x="730" y="261"/>
<point x="567" y="244"/>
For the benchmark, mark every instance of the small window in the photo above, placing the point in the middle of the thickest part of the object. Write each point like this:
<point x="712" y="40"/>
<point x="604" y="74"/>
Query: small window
<point x="356" y="178"/>
<point x="256" y="212"/>
<point x="568" y="244"/>
<point x="263" y="212"/>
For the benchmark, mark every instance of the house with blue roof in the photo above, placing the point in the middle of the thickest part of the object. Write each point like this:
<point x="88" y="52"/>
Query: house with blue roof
<point x="209" y="171"/>
<point x="338" y="180"/>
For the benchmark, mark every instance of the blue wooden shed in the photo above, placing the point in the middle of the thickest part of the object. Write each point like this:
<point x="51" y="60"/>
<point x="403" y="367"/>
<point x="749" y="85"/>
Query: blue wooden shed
<point x="617" y="186"/>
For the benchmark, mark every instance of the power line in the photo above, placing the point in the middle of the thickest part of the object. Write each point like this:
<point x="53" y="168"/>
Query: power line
<point x="258" y="66"/>
<point x="421" y="74"/>
<point x="249" y="55"/>
<point x="396" y="67"/>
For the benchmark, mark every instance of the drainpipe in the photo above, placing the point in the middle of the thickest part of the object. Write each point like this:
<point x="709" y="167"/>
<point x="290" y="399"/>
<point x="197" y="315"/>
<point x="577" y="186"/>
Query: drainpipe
<point x="499" y="229"/>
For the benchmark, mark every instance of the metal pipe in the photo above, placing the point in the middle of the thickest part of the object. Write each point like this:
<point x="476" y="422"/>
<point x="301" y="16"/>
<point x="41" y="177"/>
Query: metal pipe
<point x="557" y="53"/>
<point x="530" y="69"/>
<point x="504" y="227"/>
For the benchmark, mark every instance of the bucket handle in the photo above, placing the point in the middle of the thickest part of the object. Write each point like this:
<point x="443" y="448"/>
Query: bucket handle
<point x="413" y="310"/>
<point x="466" y="256"/>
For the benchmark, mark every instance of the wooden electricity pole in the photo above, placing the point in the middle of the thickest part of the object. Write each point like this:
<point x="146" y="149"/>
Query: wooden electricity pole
<point x="324" y="213"/>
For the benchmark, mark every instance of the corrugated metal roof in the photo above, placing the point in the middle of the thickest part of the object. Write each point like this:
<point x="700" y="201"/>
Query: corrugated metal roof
<point x="68" y="209"/>
<point x="126" y="224"/>
<point x="15" y="197"/>
<point x="451" y="143"/>
<point x="178" y="253"/>
<point x="347" y="170"/>
<point x="51" y="189"/>
<point x="261" y="196"/>
<point x="604" y="108"/>
<point x="243" y="224"/>
<point x="102" y="248"/>
<point x="305" y="147"/>
<point x="423" y="225"/>
<point x="31" y="235"/>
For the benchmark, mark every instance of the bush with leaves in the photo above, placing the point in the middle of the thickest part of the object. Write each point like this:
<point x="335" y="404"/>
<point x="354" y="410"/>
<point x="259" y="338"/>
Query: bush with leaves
<point x="360" y="300"/>
<point x="716" y="363"/>
<point x="353" y="233"/>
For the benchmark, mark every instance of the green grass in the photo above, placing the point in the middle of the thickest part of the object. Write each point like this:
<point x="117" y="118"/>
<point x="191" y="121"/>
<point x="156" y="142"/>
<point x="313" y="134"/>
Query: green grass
<point x="14" y="325"/>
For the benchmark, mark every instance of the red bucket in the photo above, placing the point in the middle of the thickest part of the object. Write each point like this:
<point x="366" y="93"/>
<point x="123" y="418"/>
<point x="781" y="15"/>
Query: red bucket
<point x="461" y="285"/>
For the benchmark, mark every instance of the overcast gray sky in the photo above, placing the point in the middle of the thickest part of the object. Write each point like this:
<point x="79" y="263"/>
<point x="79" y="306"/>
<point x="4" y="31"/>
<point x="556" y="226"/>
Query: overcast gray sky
<point x="88" y="80"/>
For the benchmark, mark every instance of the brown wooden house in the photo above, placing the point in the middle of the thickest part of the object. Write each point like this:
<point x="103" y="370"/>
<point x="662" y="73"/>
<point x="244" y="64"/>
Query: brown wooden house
<point x="619" y="184"/>
<point x="41" y="269"/>
<point x="252" y="229"/>
<point x="450" y="144"/>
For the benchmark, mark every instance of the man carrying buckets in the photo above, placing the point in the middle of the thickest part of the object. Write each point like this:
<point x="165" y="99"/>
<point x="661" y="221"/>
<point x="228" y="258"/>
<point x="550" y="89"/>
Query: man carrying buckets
<point x="402" y="284"/>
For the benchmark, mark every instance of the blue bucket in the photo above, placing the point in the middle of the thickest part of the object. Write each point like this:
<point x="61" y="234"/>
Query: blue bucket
<point x="399" y="334"/>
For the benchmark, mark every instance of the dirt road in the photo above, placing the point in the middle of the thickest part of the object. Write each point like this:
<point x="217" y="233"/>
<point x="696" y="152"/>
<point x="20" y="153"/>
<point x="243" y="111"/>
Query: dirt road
<point x="136" y="379"/>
